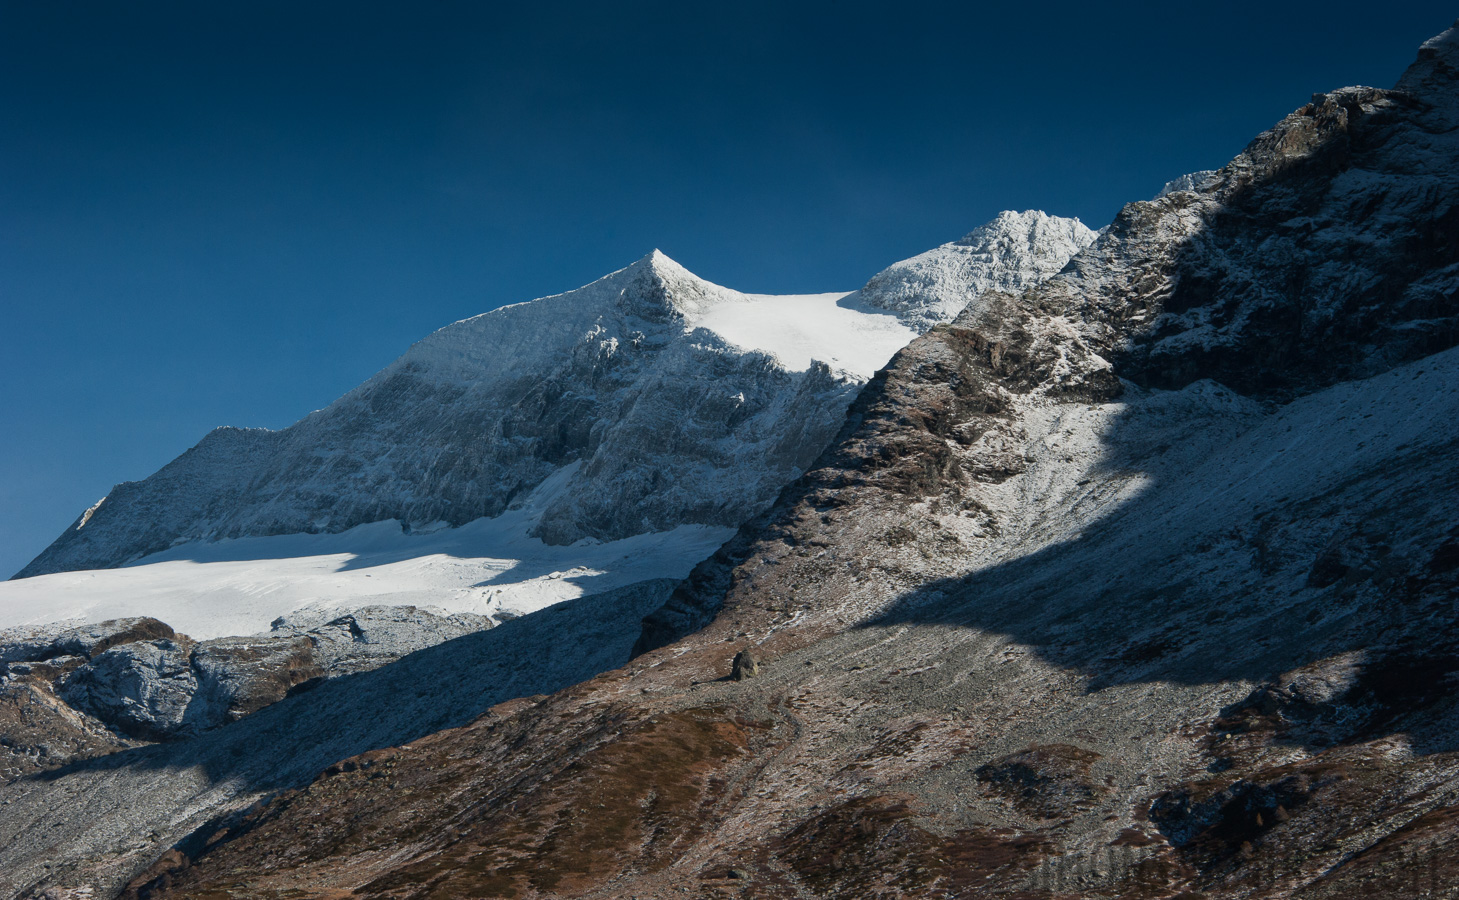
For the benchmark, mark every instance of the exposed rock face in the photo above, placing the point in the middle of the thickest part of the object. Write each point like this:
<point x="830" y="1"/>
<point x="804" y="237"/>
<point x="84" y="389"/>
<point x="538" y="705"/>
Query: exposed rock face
<point x="40" y="732"/>
<point x="1326" y="251"/>
<point x="239" y="676"/>
<point x="745" y="666"/>
<point x="1040" y="622"/>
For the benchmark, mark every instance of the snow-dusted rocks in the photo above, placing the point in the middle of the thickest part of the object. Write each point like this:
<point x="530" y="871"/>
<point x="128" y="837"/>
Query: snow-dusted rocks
<point x="1194" y="181"/>
<point x="144" y="688"/>
<point x="143" y="680"/>
<point x="1010" y="253"/>
<point x="374" y="635"/>
<point x="86" y="640"/>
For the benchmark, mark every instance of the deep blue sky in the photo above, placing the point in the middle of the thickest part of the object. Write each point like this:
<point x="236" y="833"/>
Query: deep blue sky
<point x="232" y="212"/>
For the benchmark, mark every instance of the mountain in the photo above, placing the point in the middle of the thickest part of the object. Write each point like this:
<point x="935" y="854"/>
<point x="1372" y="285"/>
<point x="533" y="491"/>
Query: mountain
<point x="650" y="399"/>
<point x="1142" y="582"/>
<point x="678" y="401"/>
<point x="650" y="405"/>
<point x="666" y="421"/>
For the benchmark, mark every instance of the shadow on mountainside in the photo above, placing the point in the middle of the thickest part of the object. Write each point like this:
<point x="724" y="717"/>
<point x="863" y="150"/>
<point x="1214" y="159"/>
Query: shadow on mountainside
<point x="1330" y="526"/>
<point x="1253" y="565"/>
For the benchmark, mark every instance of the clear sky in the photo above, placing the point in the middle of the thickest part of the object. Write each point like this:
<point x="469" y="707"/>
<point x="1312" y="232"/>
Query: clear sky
<point x="232" y="212"/>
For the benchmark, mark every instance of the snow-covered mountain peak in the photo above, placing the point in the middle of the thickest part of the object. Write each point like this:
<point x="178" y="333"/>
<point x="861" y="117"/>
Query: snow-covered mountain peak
<point x="1437" y="66"/>
<point x="664" y="284"/>
<point x="1034" y="228"/>
<point x="661" y="398"/>
<point x="645" y="402"/>
<point x="657" y="266"/>
<point x="1016" y="250"/>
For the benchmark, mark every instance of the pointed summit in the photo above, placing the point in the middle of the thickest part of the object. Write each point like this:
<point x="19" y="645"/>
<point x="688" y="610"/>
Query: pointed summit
<point x="664" y="268"/>
<point x="659" y="287"/>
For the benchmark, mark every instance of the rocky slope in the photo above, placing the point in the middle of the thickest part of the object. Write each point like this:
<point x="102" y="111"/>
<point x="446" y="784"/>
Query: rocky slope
<point x="82" y="819"/>
<point x="1142" y="583"/>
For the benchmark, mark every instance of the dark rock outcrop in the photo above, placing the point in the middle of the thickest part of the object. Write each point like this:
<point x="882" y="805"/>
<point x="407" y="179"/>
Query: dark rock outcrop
<point x="239" y="676"/>
<point x="746" y="665"/>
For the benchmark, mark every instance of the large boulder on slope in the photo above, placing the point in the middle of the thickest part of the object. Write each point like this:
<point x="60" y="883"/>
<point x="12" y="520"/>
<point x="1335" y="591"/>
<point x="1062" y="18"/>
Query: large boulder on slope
<point x="144" y="688"/>
<point x="241" y="675"/>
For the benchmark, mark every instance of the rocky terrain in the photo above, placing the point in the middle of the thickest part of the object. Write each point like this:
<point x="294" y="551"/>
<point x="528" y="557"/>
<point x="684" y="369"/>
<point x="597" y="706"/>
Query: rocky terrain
<point x="1142" y="582"/>
<point x="136" y="681"/>
<point x="72" y="693"/>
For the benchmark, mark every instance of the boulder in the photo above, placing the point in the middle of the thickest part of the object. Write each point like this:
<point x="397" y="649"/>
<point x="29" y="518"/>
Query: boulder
<point x="241" y="675"/>
<point x="746" y="665"/>
<point x="142" y="688"/>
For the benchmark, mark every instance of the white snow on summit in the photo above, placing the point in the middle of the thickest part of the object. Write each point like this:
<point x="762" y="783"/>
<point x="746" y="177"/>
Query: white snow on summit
<point x="1010" y="253"/>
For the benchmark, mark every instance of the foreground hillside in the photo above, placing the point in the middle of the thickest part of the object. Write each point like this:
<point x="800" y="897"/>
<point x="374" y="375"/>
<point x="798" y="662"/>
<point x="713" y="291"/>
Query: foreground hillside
<point x="1143" y="583"/>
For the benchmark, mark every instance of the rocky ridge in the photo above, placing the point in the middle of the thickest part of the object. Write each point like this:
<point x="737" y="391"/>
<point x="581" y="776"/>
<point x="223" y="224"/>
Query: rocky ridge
<point x="75" y="693"/>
